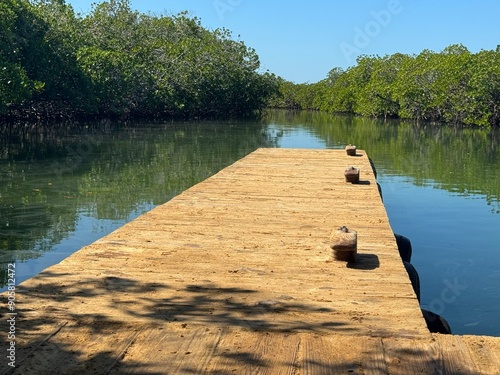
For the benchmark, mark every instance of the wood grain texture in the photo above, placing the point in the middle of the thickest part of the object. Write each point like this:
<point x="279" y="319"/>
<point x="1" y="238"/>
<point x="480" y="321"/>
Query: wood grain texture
<point x="236" y="275"/>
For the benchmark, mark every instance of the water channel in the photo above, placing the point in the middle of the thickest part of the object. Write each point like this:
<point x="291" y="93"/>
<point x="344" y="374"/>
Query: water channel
<point x="64" y="186"/>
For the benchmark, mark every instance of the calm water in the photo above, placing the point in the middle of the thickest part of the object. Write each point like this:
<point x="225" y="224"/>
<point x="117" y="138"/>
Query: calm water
<point x="63" y="187"/>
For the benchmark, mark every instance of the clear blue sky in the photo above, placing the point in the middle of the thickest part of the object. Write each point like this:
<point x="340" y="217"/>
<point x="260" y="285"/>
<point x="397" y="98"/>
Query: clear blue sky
<point x="302" y="40"/>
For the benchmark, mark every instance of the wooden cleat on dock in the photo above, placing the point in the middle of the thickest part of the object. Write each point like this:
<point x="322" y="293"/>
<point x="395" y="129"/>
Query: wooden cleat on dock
<point x="352" y="175"/>
<point x="351" y="150"/>
<point x="344" y="244"/>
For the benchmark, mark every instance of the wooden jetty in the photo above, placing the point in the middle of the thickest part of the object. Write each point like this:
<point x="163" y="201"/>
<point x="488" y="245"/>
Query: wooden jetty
<point x="236" y="276"/>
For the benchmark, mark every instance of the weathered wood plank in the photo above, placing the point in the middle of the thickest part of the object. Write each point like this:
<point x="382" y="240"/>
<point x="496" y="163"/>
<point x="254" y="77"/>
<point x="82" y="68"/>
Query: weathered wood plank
<point x="171" y="350"/>
<point x="77" y="347"/>
<point x="455" y="355"/>
<point x="417" y="356"/>
<point x="336" y="354"/>
<point x="485" y="352"/>
<point x="256" y="353"/>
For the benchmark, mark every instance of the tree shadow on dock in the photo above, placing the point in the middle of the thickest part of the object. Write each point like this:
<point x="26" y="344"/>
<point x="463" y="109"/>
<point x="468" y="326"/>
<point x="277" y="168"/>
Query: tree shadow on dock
<point x="111" y="298"/>
<point x="121" y="325"/>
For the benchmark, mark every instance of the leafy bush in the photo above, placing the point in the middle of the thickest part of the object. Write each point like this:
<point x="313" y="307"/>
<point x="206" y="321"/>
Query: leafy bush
<point x="118" y="62"/>
<point x="453" y="86"/>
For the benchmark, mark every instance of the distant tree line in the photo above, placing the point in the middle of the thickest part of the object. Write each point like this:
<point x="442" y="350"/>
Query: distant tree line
<point x="115" y="61"/>
<point x="453" y="86"/>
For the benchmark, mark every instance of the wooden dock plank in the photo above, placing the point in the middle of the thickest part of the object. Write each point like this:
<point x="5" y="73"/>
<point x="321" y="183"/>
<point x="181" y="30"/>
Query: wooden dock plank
<point x="420" y="356"/>
<point x="168" y="349"/>
<point x="485" y="352"/>
<point x="455" y="355"/>
<point x="236" y="274"/>
<point x="76" y="348"/>
<point x="324" y="355"/>
<point x="469" y="354"/>
<point x="249" y="353"/>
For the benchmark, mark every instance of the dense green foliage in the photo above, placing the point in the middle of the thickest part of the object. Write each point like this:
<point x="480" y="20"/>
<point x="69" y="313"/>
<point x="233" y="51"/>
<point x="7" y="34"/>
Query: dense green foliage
<point x="453" y="86"/>
<point x="118" y="62"/>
